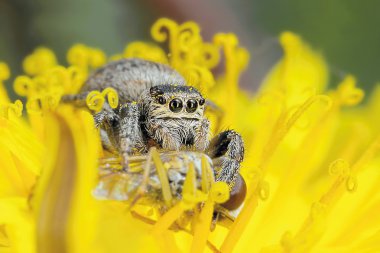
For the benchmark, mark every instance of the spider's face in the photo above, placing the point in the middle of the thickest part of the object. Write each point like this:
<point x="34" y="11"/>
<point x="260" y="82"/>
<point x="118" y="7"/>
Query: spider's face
<point x="170" y="102"/>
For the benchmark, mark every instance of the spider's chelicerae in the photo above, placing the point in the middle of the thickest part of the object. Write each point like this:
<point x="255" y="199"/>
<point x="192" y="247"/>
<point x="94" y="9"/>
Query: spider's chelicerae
<point x="157" y="109"/>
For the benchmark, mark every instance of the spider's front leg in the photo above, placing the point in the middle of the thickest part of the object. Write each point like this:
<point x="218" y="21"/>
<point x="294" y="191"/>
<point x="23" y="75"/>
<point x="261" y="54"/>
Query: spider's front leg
<point x="107" y="120"/>
<point x="202" y="132"/>
<point x="227" y="152"/>
<point x="128" y="132"/>
<point x="120" y="131"/>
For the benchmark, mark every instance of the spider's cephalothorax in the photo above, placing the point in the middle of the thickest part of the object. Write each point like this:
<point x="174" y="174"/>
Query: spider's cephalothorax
<point x="173" y="117"/>
<point x="157" y="109"/>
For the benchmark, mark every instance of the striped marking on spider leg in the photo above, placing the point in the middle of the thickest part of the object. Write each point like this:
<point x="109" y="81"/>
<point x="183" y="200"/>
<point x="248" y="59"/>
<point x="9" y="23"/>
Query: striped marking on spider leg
<point x="227" y="152"/>
<point x="124" y="152"/>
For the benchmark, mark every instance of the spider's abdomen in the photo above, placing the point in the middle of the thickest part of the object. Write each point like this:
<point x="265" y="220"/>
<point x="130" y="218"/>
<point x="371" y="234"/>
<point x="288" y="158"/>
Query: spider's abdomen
<point x="130" y="77"/>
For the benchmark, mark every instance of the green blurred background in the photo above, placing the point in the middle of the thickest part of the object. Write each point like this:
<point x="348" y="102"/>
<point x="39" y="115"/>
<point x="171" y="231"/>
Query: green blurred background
<point x="345" y="31"/>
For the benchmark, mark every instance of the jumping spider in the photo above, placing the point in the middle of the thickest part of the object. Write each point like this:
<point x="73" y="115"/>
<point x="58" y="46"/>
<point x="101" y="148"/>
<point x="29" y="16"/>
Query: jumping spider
<point x="157" y="109"/>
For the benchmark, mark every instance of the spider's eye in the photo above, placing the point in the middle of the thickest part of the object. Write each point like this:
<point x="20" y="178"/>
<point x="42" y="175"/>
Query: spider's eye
<point x="155" y="91"/>
<point x="176" y="105"/>
<point x="191" y="105"/>
<point x="161" y="100"/>
<point x="202" y="101"/>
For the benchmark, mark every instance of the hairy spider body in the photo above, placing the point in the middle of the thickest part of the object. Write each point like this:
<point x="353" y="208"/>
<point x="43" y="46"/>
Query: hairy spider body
<point x="157" y="109"/>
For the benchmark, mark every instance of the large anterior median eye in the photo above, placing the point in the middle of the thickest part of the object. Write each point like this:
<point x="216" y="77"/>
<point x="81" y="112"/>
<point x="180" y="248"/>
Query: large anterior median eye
<point x="191" y="105"/>
<point x="176" y="105"/>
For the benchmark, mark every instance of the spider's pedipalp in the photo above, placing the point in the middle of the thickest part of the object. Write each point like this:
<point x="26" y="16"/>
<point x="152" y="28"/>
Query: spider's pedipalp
<point x="227" y="151"/>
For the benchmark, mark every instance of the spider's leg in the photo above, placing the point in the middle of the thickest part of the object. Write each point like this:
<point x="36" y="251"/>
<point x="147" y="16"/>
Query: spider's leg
<point x="227" y="152"/>
<point x="108" y="141"/>
<point x="106" y="115"/>
<point x="127" y="131"/>
<point x="202" y="133"/>
<point x="76" y="99"/>
<point x="107" y="121"/>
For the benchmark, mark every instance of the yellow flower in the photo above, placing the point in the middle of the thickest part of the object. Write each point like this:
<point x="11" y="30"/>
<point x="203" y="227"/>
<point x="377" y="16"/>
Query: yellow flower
<point x="311" y="162"/>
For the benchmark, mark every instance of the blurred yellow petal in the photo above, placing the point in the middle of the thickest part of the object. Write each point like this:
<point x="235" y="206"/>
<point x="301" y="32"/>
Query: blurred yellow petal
<point x="18" y="223"/>
<point x="302" y="72"/>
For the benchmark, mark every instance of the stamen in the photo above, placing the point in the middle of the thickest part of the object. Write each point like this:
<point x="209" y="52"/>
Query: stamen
<point x="23" y="86"/>
<point x="283" y="126"/>
<point x="207" y="176"/>
<point x="39" y="61"/>
<point x="199" y="77"/>
<point x="14" y="109"/>
<point x="321" y="208"/>
<point x="97" y="58"/>
<point x="263" y="190"/>
<point x="166" y="220"/>
<point x="161" y="30"/>
<point x="145" y="51"/>
<point x="58" y="77"/>
<point x="78" y="56"/>
<point x="351" y="183"/>
<point x="5" y="73"/>
<point x="339" y="166"/>
<point x="34" y="106"/>
<point x="95" y="101"/>
<point x="112" y="97"/>
<point x="84" y="57"/>
<point x="280" y="130"/>
<point x="219" y="193"/>
<point x="170" y="244"/>
<point x="166" y="192"/>
<point x="202" y="227"/>
<point x="348" y="93"/>
<point x="189" y="186"/>
<point x="77" y="78"/>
